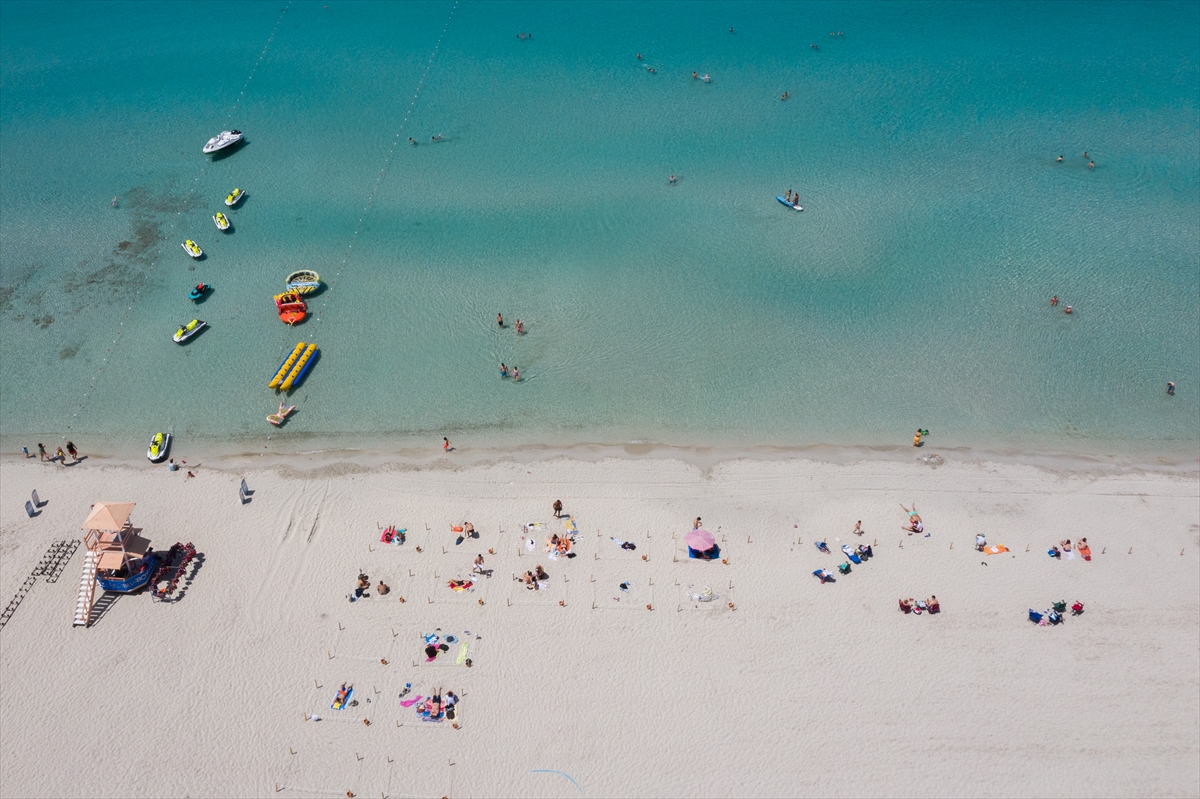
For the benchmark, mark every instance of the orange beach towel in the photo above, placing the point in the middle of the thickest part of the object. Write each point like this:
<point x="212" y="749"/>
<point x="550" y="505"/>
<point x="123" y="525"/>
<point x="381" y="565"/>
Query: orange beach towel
<point x="995" y="550"/>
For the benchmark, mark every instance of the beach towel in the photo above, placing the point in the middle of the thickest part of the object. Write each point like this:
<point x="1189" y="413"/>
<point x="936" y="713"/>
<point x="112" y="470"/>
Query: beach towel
<point x="1084" y="551"/>
<point x="411" y="702"/>
<point x="995" y="549"/>
<point x="462" y="653"/>
<point x="336" y="705"/>
<point x="1070" y="555"/>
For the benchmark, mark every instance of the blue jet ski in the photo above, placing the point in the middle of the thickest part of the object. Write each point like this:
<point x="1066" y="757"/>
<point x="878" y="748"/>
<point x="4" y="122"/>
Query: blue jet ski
<point x="198" y="292"/>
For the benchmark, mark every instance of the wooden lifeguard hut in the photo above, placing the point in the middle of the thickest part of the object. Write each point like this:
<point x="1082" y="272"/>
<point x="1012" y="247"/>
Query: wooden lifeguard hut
<point x="117" y="558"/>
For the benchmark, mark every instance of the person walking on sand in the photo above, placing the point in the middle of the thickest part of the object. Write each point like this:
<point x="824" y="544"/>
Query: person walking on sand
<point x="558" y="508"/>
<point x="25" y="451"/>
<point x="445" y="444"/>
<point x="73" y="452"/>
<point x="858" y="527"/>
<point x="41" y="451"/>
<point x="60" y="456"/>
<point x="696" y="524"/>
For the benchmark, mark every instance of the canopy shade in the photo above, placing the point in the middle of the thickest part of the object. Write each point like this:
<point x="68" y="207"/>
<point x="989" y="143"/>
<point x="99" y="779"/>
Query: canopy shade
<point x="109" y="516"/>
<point x="700" y="540"/>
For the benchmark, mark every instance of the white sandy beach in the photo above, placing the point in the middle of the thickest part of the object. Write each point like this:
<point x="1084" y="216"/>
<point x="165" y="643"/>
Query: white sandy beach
<point x="799" y="689"/>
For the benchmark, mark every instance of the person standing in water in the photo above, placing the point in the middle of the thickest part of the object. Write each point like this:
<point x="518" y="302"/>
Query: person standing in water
<point x="1170" y="389"/>
<point x="516" y="375"/>
<point x="1054" y="301"/>
<point x="503" y="370"/>
<point x="500" y="319"/>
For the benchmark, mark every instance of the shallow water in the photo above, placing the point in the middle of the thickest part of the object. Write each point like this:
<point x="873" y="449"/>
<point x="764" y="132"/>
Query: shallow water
<point x="912" y="290"/>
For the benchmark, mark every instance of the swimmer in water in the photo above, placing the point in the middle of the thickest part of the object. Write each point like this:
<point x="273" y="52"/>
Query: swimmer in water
<point x="639" y="56"/>
<point x="1091" y="164"/>
<point x="652" y="70"/>
<point x="671" y="180"/>
<point x="1054" y="301"/>
<point x="1170" y="389"/>
<point x="503" y="370"/>
<point x="694" y="76"/>
<point x="1068" y="309"/>
<point x="113" y="204"/>
<point x="1085" y="155"/>
<point x="500" y="319"/>
<point x="1060" y="159"/>
<point x="410" y="141"/>
<point x="813" y="46"/>
<point x="784" y="96"/>
<point x="438" y="137"/>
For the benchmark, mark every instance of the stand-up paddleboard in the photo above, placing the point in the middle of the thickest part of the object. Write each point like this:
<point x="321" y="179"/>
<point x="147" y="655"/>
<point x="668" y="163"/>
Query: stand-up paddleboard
<point x="788" y="204"/>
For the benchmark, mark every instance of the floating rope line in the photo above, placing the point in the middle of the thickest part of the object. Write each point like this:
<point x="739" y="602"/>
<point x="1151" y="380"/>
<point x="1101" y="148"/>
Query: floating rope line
<point x="175" y="220"/>
<point x="387" y="162"/>
<point x="284" y="345"/>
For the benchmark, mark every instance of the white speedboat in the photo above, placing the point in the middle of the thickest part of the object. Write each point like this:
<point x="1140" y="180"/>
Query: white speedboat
<point x="192" y="248"/>
<point x="221" y="221"/>
<point x="159" y="444"/>
<point x="222" y="140"/>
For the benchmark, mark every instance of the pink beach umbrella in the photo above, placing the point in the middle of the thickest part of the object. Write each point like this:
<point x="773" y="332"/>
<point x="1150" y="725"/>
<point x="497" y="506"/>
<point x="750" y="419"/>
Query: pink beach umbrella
<point x="700" y="540"/>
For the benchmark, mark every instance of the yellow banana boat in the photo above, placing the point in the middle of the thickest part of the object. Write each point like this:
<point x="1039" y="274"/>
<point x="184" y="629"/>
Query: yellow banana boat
<point x="286" y="366"/>
<point x="299" y="369"/>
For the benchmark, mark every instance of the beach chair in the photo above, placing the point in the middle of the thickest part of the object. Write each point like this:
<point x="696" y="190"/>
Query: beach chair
<point x="1054" y="617"/>
<point x="850" y="554"/>
<point x="905" y="607"/>
<point x="935" y="607"/>
<point x="1060" y="606"/>
<point x="844" y="568"/>
<point x="1034" y="616"/>
<point x="1077" y="608"/>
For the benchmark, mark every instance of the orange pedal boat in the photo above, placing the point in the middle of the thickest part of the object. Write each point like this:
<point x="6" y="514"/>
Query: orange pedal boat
<point x="291" y="308"/>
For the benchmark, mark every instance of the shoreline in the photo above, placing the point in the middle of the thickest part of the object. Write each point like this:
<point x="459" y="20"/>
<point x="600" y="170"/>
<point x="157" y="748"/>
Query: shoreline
<point x="1059" y="461"/>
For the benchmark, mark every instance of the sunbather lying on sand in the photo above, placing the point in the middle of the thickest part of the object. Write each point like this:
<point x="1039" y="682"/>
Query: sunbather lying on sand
<point x="1066" y="545"/>
<point x="915" y="525"/>
<point x="343" y="692"/>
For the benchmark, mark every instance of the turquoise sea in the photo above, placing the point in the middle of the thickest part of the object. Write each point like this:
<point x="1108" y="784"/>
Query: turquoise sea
<point x="913" y="289"/>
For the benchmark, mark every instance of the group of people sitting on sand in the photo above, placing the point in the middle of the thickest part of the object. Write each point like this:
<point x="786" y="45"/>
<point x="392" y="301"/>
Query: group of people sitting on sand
<point x="364" y="585"/>
<point x="437" y="707"/>
<point x="559" y="545"/>
<point x="920" y="606"/>
<point x="1064" y="548"/>
<point x="534" y="580"/>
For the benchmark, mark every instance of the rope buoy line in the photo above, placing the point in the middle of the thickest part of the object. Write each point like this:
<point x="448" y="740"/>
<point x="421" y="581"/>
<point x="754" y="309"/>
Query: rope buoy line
<point x="387" y="161"/>
<point x="284" y="346"/>
<point x="175" y="220"/>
